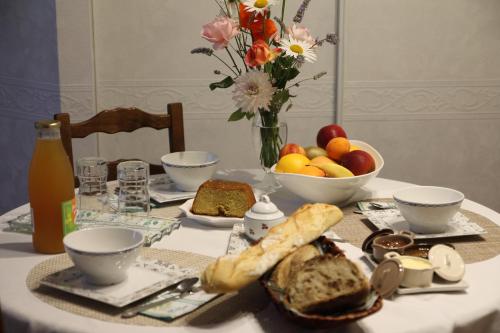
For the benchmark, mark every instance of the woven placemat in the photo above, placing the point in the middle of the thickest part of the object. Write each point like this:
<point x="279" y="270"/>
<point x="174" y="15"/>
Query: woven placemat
<point x="203" y="316"/>
<point x="356" y="227"/>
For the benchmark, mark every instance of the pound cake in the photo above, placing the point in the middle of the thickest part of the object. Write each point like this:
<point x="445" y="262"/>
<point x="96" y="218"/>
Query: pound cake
<point x="223" y="198"/>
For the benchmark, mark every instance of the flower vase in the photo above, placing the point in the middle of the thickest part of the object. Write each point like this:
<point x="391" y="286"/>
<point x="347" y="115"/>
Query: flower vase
<point x="269" y="135"/>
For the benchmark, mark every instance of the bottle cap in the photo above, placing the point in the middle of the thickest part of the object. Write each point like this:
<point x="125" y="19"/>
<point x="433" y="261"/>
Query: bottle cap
<point x="48" y="123"/>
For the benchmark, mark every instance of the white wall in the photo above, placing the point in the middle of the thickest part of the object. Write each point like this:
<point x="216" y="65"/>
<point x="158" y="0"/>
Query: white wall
<point x="140" y="56"/>
<point x="422" y="82"/>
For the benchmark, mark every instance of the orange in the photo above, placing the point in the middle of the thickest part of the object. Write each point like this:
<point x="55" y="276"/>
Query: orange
<point x="337" y="147"/>
<point x="291" y="163"/>
<point x="321" y="160"/>
<point x="312" y="171"/>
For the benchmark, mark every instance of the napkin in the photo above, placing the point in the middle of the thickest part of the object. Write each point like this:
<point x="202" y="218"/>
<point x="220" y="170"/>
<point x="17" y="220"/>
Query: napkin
<point x="153" y="228"/>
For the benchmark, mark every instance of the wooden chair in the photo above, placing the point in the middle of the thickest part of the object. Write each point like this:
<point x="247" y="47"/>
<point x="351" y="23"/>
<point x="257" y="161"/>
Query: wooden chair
<point x="124" y="120"/>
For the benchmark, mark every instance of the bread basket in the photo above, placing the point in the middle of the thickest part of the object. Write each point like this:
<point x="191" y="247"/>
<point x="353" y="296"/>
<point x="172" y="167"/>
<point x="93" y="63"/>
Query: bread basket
<point x="316" y="320"/>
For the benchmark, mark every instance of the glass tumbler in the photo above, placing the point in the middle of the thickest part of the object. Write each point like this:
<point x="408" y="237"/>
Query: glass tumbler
<point x="92" y="173"/>
<point x="133" y="194"/>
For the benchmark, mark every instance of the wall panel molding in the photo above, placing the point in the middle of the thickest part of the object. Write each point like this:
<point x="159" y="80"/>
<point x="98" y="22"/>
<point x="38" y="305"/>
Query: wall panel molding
<point x="414" y="100"/>
<point x="314" y="99"/>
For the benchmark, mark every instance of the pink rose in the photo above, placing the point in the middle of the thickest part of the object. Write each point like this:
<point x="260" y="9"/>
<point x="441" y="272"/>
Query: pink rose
<point x="300" y="34"/>
<point x="220" y="31"/>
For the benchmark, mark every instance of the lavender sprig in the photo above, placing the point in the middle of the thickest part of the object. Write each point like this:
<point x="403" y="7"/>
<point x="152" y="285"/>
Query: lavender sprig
<point x="300" y="12"/>
<point x="202" y="50"/>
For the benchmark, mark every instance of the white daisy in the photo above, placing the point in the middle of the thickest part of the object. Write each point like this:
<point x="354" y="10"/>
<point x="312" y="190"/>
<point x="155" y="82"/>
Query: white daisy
<point x="258" y="6"/>
<point x="253" y="91"/>
<point x="297" y="48"/>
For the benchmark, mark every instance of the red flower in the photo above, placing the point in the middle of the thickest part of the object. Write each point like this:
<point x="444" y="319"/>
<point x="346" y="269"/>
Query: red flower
<point x="260" y="27"/>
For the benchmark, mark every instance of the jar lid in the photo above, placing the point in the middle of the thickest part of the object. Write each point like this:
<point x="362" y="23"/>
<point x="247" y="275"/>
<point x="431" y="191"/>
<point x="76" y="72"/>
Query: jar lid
<point x="368" y="242"/>
<point x="448" y="263"/>
<point x="48" y="123"/>
<point x="264" y="210"/>
<point x="387" y="277"/>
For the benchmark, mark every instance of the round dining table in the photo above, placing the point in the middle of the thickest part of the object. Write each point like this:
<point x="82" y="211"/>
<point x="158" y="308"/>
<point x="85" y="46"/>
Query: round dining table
<point x="475" y="310"/>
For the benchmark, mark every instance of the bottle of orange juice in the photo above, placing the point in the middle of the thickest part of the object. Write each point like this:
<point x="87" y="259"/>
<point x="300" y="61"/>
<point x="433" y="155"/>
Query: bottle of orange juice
<point x="51" y="189"/>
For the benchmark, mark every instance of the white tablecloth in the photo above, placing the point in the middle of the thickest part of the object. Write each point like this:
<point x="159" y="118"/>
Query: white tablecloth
<point x="476" y="310"/>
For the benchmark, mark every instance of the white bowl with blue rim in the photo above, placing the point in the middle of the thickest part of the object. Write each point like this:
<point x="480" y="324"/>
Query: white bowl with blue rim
<point x="189" y="169"/>
<point x="105" y="254"/>
<point x="428" y="209"/>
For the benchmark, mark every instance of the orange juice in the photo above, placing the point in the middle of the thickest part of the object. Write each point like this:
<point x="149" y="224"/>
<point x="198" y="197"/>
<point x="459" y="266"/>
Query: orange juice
<point x="51" y="190"/>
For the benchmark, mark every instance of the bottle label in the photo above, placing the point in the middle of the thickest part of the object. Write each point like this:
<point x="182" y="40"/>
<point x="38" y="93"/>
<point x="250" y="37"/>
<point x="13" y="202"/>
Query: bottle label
<point x="68" y="216"/>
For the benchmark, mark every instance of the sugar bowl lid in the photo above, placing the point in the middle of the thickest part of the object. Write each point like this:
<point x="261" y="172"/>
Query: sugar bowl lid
<point x="264" y="210"/>
<point x="449" y="265"/>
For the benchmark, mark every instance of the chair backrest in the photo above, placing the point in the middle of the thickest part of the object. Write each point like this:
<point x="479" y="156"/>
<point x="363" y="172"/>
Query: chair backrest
<point x="125" y="120"/>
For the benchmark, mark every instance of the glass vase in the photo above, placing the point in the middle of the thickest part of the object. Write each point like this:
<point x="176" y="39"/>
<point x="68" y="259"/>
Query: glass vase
<point x="268" y="135"/>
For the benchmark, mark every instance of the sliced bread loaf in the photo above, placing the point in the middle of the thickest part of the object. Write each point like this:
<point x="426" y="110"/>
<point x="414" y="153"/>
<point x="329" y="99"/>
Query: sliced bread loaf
<point x="327" y="284"/>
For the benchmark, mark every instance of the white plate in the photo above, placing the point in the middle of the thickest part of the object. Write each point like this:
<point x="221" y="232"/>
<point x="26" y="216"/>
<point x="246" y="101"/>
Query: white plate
<point x="392" y="219"/>
<point x="435" y="287"/>
<point x="145" y="278"/>
<point x="162" y="190"/>
<point x="212" y="221"/>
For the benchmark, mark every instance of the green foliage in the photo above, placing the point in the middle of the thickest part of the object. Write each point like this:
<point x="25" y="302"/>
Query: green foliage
<point x="237" y="115"/>
<point x="282" y="71"/>
<point x="226" y="83"/>
<point x="280" y="97"/>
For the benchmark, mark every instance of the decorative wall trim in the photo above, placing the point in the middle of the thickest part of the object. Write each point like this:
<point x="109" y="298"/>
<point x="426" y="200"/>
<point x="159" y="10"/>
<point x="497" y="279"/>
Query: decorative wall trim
<point x="414" y="100"/>
<point x="314" y="99"/>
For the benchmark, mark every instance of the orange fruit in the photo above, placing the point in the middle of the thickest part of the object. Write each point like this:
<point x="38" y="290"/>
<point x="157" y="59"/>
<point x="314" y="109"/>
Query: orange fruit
<point x="337" y="147"/>
<point x="321" y="160"/>
<point x="291" y="163"/>
<point x="312" y="171"/>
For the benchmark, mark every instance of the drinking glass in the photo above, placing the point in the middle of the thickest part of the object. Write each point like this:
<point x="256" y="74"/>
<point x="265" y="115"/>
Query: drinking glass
<point x="92" y="173"/>
<point x="133" y="194"/>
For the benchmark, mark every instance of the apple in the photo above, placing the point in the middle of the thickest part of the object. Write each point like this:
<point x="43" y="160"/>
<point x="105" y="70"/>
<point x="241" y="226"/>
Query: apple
<point x="313" y="151"/>
<point x="326" y="133"/>
<point x="292" y="148"/>
<point x="359" y="162"/>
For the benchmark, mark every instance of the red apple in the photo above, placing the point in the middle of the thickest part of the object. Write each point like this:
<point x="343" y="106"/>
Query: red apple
<point x="325" y="134"/>
<point x="291" y="148"/>
<point x="359" y="162"/>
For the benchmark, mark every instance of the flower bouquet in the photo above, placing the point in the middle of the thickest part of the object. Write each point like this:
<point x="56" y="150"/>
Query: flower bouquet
<point x="261" y="59"/>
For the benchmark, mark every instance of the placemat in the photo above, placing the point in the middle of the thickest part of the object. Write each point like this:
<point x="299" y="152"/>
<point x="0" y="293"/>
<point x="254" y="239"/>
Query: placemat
<point x="355" y="228"/>
<point x="93" y="309"/>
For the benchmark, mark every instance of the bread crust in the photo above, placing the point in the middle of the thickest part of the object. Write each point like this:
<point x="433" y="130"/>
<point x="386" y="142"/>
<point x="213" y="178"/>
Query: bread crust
<point x="230" y="273"/>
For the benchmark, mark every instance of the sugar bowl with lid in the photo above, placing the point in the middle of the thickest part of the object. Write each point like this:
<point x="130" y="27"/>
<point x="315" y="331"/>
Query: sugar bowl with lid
<point x="261" y="217"/>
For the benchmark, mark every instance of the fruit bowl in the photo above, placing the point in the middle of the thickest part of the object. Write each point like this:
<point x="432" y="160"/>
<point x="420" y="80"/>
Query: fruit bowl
<point x="329" y="190"/>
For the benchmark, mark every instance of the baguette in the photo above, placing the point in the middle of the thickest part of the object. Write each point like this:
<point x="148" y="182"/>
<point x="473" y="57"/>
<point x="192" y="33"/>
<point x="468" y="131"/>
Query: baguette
<point x="233" y="272"/>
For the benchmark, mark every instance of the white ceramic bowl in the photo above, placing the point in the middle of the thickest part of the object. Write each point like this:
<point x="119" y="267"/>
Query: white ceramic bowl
<point x="104" y="255"/>
<point x="427" y="209"/>
<point x="330" y="190"/>
<point x="189" y="169"/>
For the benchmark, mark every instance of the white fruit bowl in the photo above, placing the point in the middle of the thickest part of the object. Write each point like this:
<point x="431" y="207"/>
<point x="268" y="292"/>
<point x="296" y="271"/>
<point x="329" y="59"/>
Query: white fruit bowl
<point x="329" y="190"/>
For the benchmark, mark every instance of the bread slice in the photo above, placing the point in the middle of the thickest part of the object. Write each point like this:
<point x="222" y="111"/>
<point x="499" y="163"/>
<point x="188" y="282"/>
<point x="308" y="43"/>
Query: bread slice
<point x="223" y="198"/>
<point x="233" y="272"/>
<point x="292" y="263"/>
<point x="327" y="284"/>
